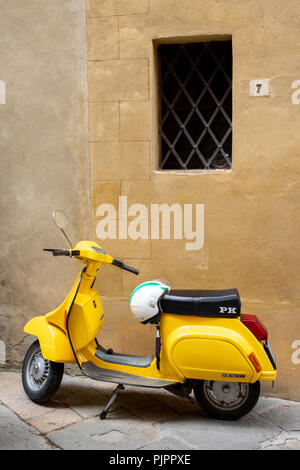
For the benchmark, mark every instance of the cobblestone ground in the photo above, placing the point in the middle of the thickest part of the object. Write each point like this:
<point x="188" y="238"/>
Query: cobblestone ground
<point x="139" y="419"/>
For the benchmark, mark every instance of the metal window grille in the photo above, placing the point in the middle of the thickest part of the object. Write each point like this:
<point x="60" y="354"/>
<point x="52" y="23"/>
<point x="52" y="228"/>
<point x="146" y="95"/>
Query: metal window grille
<point x="195" y="86"/>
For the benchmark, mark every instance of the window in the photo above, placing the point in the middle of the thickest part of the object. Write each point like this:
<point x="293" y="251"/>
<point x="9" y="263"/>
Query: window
<point x="195" y="88"/>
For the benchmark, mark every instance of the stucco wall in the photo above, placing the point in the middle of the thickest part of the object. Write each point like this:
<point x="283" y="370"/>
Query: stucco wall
<point x="44" y="157"/>
<point x="251" y="212"/>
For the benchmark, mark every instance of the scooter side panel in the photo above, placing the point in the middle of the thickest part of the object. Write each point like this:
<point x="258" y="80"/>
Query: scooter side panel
<point x="86" y="319"/>
<point x="207" y="348"/>
<point x="211" y="359"/>
<point x="53" y="341"/>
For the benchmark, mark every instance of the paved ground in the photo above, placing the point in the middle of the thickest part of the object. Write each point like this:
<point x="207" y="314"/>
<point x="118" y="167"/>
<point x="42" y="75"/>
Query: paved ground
<point x="139" y="419"/>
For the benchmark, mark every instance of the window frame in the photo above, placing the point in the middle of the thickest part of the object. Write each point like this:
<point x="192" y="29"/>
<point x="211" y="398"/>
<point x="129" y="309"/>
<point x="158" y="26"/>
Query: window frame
<point x="206" y="162"/>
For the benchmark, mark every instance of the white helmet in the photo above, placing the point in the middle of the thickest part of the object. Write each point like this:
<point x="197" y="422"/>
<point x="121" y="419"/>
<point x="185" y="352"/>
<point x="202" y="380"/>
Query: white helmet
<point x="144" y="300"/>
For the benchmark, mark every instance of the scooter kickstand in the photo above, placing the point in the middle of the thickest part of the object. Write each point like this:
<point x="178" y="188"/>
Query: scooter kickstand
<point x="112" y="399"/>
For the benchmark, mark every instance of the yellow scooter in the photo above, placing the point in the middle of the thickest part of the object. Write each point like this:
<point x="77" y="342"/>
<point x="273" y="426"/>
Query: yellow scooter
<point x="203" y="345"/>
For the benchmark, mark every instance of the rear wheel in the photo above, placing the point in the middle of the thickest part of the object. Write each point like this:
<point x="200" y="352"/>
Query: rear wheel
<point x="226" y="400"/>
<point x="41" y="377"/>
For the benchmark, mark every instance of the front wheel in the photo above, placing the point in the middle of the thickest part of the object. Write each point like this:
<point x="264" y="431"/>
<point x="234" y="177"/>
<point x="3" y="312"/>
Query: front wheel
<point x="226" y="400"/>
<point x="40" y="377"/>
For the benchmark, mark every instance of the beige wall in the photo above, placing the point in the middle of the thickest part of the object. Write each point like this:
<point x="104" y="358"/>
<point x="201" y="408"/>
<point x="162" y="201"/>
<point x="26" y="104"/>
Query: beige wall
<point x="251" y="212"/>
<point x="44" y="158"/>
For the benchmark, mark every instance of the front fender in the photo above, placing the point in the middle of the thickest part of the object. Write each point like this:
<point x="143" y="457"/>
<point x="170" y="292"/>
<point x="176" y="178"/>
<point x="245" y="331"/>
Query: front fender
<point x="54" y="343"/>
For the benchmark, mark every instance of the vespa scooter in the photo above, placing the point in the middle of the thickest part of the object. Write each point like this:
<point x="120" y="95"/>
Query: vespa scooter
<point x="204" y="345"/>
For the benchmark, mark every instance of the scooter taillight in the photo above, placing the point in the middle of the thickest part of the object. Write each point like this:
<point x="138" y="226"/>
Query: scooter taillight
<point x="255" y="326"/>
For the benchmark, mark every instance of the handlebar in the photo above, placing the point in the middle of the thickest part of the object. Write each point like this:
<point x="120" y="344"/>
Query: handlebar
<point x="115" y="262"/>
<point x="57" y="252"/>
<point x="121" y="265"/>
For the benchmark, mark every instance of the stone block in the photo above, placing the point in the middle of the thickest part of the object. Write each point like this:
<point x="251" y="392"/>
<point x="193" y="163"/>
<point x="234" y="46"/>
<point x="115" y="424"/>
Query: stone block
<point x="104" y="121"/>
<point x="135" y="120"/>
<point x="110" y="434"/>
<point x="179" y="273"/>
<point x="135" y="37"/>
<point x="120" y="160"/>
<point x="166" y="443"/>
<point x="98" y="8"/>
<point x="45" y="418"/>
<point x="56" y="419"/>
<point x="111" y="339"/>
<point x="102" y="38"/>
<point x="17" y="435"/>
<point x="109" y="279"/>
<point x="207" y="434"/>
<point x="118" y="80"/>
<point x="123" y="248"/>
<point x="105" y="192"/>
<point x="117" y="313"/>
<point x="140" y="340"/>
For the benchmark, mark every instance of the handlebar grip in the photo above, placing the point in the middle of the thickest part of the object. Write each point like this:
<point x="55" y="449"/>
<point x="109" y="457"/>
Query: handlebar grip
<point x="121" y="265"/>
<point x="58" y="252"/>
<point x="61" y="253"/>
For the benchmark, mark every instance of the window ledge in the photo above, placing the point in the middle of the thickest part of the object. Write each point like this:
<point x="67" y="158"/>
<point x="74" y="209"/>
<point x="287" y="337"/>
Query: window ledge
<point x="192" y="172"/>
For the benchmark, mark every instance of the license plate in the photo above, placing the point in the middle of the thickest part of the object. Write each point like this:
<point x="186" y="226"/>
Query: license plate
<point x="270" y="354"/>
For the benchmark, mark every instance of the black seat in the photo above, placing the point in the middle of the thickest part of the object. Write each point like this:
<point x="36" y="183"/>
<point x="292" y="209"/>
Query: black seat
<point x="203" y="303"/>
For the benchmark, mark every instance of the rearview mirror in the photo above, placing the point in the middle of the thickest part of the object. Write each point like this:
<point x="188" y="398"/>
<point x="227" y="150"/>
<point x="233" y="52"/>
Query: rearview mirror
<point x="61" y="220"/>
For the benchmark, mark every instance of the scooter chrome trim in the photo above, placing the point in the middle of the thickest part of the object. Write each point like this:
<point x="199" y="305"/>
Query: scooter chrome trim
<point x="106" y="375"/>
<point x="38" y="371"/>
<point x="226" y="395"/>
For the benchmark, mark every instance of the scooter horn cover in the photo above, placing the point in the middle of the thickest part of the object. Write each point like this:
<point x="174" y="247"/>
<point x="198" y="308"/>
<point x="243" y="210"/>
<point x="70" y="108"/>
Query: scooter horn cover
<point x="144" y="300"/>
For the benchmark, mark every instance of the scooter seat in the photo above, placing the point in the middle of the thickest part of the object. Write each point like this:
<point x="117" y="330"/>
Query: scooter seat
<point x="202" y="303"/>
